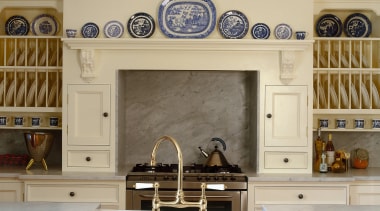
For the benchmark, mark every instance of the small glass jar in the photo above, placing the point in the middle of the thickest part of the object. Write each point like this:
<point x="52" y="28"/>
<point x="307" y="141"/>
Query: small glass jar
<point x="338" y="166"/>
<point x="359" y="158"/>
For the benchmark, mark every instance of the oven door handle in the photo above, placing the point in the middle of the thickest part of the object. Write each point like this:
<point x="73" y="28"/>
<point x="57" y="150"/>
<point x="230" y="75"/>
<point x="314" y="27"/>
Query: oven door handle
<point x="170" y="196"/>
<point x="216" y="186"/>
<point x="141" y="185"/>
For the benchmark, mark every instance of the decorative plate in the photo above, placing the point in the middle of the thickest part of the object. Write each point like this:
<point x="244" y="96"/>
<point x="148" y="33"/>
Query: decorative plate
<point x="283" y="31"/>
<point x="329" y="25"/>
<point x="233" y="25"/>
<point x="187" y="18"/>
<point x="113" y="29"/>
<point x="141" y="25"/>
<point x="90" y="30"/>
<point x="260" y="31"/>
<point x="17" y="25"/>
<point x="44" y="25"/>
<point x="357" y="25"/>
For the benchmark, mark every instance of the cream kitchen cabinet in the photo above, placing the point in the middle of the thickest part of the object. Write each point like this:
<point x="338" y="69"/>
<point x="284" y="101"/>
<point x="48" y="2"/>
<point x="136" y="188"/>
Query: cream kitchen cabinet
<point x="296" y="193"/>
<point x="365" y="193"/>
<point x="111" y="194"/>
<point x="87" y="145"/>
<point x="11" y="190"/>
<point x="285" y="147"/>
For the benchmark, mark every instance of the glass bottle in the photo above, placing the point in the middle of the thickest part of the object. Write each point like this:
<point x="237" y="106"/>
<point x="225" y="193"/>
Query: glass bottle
<point x="338" y="166"/>
<point x="318" y="144"/>
<point x="330" y="152"/>
<point x="323" y="164"/>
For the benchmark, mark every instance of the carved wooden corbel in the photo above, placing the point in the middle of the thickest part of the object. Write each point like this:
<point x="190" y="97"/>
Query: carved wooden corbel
<point x="287" y="68"/>
<point x="87" y="60"/>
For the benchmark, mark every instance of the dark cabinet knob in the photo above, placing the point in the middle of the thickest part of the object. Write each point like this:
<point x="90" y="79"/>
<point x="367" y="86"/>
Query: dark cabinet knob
<point x="88" y="159"/>
<point x="269" y="116"/>
<point x="300" y="196"/>
<point x="72" y="194"/>
<point x="105" y="114"/>
<point x="286" y="160"/>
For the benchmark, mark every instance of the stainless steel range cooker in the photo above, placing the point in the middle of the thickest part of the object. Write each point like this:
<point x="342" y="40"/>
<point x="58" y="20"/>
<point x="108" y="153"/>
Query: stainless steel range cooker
<point x="229" y="186"/>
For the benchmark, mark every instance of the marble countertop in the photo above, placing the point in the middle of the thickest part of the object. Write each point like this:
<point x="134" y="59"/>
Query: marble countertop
<point x="320" y="207"/>
<point x="369" y="174"/>
<point x="56" y="173"/>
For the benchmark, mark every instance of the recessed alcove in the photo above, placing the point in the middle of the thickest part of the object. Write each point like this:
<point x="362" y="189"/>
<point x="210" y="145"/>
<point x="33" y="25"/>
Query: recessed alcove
<point x="192" y="107"/>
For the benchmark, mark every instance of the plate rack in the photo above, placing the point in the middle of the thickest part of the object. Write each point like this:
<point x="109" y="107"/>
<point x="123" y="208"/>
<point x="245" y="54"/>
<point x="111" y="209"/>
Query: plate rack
<point x="346" y="73"/>
<point x="30" y="71"/>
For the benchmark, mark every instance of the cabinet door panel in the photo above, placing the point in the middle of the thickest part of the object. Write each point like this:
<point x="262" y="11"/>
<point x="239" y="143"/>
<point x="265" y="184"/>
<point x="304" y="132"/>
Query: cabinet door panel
<point x="286" y="116"/>
<point x="10" y="191"/>
<point x="365" y="195"/>
<point x="88" y="110"/>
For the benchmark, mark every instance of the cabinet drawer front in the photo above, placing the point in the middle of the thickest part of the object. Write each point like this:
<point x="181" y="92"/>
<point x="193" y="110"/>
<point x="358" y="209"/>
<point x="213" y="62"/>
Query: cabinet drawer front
<point x="301" y="195"/>
<point x="285" y="160"/>
<point x="72" y="193"/>
<point x="88" y="158"/>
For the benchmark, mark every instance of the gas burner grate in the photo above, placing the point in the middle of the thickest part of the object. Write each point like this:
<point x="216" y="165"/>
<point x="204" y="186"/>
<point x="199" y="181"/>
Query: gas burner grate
<point x="194" y="168"/>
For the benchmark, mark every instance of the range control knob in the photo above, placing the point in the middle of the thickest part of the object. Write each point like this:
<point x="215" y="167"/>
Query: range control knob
<point x="199" y="178"/>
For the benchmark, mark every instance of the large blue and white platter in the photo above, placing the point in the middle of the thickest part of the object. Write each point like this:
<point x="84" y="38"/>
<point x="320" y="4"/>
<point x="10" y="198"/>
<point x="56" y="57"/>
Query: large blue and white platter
<point x="187" y="18"/>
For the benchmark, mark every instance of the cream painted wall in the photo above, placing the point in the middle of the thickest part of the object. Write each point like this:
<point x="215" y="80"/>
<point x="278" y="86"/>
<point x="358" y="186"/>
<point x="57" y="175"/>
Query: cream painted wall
<point x="296" y="13"/>
<point x="78" y="12"/>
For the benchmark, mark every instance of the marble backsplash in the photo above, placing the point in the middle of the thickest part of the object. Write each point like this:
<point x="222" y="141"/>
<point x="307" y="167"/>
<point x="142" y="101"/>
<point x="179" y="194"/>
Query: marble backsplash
<point x="351" y="140"/>
<point x="191" y="106"/>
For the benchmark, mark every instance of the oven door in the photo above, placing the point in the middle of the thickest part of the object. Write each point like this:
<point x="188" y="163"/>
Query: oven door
<point x="216" y="200"/>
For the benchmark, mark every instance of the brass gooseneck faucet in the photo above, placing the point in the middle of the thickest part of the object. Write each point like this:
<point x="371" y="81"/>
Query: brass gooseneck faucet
<point x="179" y="201"/>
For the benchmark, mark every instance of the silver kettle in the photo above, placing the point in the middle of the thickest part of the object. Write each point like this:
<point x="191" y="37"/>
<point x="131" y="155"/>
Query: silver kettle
<point x="216" y="157"/>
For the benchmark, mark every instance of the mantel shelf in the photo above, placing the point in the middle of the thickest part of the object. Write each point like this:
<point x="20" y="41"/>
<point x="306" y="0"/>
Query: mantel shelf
<point x="88" y="47"/>
<point x="187" y="44"/>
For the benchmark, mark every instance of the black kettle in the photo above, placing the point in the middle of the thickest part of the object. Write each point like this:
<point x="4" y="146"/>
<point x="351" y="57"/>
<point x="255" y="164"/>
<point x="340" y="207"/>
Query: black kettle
<point x="216" y="157"/>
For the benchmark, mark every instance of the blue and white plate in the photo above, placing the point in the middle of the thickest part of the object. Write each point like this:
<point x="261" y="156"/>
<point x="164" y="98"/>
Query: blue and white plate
<point x="329" y="25"/>
<point x="113" y="29"/>
<point x="187" y="18"/>
<point x="45" y="25"/>
<point x="233" y="25"/>
<point x="260" y="31"/>
<point x="283" y="31"/>
<point x="17" y="25"/>
<point x="90" y="30"/>
<point x="357" y="25"/>
<point x="141" y="25"/>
